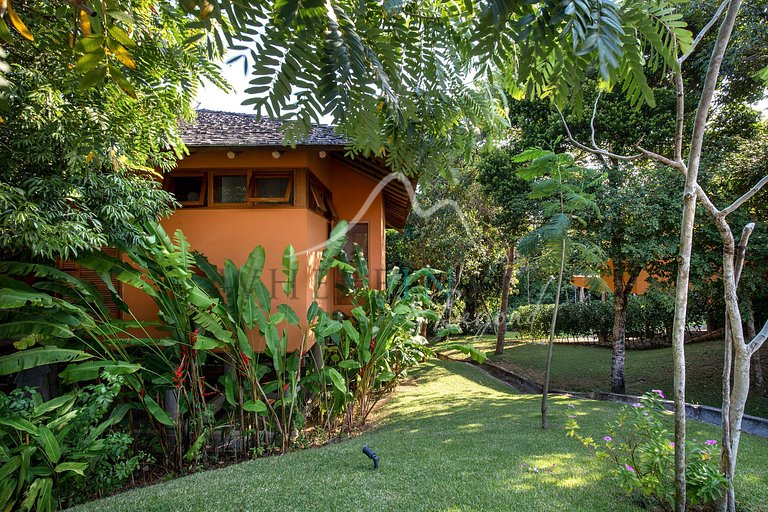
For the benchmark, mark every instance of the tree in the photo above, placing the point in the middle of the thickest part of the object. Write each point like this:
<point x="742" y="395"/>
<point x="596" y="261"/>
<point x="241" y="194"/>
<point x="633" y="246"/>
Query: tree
<point x="416" y="82"/>
<point x="87" y="113"/>
<point x="738" y="353"/>
<point x="637" y="224"/>
<point x="451" y="229"/>
<point x="564" y="191"/>
<point x="497" y="174"/>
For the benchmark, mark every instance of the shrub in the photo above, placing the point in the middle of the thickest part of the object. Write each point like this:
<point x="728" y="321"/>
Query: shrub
<point x="642" y="452"/>
<point x="61" y="451"/>
<point x="648" y="316"/>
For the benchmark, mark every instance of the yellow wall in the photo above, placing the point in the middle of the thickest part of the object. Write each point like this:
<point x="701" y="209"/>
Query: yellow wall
<point x="232" y="233"/>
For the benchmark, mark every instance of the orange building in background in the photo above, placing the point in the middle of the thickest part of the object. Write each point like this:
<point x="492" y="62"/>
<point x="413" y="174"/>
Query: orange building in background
<point x="241" y="187"/>
<point x="640" y="287"/>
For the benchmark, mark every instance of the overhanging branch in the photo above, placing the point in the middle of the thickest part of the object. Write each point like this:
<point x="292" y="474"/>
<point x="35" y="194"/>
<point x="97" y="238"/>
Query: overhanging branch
<point x="743" y="199"/>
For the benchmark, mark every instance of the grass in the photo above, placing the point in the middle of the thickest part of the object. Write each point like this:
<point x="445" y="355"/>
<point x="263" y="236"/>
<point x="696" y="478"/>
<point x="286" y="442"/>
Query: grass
<point x="582" y="368"/>
<point x="454" y="439"/>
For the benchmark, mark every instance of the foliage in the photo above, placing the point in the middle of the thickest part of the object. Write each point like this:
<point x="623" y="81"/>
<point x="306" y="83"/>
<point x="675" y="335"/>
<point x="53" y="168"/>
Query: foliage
<point x="89" y="108"/>
<point x="61" y="451"/>
<point x="640" y="447"/>
<point x="467" y="256"/>
<point x="367" y="353"/>
<point x="648" y="317"/>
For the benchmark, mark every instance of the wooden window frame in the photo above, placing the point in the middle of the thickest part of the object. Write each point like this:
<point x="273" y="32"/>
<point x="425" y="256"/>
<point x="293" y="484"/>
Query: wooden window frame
<point x="187" y="174"/>
<point x="252" y="192"/>
<point x="323" y="197"/>
<point x="212" y="174"/>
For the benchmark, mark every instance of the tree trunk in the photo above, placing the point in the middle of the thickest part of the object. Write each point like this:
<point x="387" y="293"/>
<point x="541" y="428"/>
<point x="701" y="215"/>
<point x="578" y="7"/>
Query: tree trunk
<point x="548" y="367"/>
<point x="504" y="297"/>
<point x="757" y="365"/>
<point x="620" y="299"/>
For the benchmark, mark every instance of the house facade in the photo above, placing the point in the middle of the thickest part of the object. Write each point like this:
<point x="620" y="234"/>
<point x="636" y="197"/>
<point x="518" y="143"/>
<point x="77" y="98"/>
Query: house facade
<point x="241" y="187"/>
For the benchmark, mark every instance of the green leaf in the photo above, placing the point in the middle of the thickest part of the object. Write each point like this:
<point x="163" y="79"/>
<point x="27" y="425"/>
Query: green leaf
<point x="249" y="275"/>
<point x="290" y="269"/>
<point x="49" y="444"/>
<point x="349" y="364"/>
<point x="256" y="406"/>
<point x="263" y="296"/>
<point x="91" y="370"/>
<point x="206" y="343"/>
<point x="157" y="412"/>
<point x="26" y="359"/>
<point x="63" y="402"/>
<point x="75" y="467"/>
<point x="288" y="313"/>
<point x="337" y="379"/>
<point x="20" y="424"/>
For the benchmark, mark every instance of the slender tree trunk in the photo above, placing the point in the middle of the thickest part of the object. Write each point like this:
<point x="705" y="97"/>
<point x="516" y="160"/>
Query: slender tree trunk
<point x="552" y="327"/>
<point x="504" y="300"/>
<point x="757" y="365"/>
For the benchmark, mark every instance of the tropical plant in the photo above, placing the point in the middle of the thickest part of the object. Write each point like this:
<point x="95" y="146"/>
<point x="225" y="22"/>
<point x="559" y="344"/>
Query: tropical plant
<point x="50" y="450"/>
<point x="564" y="189"/>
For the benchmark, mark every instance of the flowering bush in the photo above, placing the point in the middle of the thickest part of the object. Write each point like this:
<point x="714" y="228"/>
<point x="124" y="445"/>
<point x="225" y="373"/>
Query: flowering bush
<point x="641" y="449"/>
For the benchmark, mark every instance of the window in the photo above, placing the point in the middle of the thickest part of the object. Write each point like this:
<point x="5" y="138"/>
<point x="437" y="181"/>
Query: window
<point x="271" y="188"/>
<point x="189" y="190"/>
<point x="357" y="234"/>
<point x="229" y="189"/>
<point x="320" y="200"/>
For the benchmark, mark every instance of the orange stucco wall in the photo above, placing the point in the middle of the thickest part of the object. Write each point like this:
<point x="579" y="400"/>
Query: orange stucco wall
<point x="641" y="285"/>
<point x="232" y="233"/>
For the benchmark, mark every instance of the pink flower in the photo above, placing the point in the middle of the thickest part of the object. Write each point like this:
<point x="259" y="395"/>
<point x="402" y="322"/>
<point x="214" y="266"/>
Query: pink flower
<point x="607" y="439"/>
<point x="671" y="444"/>
<point x="710" y="442"/>
<point x="629" y="468"/>
<point x="658" y="392"/>
<point x="637" y="405"/>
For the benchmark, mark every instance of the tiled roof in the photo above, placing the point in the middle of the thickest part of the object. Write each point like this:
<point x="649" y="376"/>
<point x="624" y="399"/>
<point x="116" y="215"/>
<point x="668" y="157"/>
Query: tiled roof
<point x="224" y="129"/>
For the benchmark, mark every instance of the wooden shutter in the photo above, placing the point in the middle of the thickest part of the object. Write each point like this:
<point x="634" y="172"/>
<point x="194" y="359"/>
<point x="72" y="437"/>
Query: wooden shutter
<point x="89" y="276"/>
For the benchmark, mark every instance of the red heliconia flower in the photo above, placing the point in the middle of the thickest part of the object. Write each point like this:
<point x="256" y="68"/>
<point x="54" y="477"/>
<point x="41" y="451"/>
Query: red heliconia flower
<point x="178" y="375"/>
<point x="245" y="359"/>
<point x="373" y="344"/>
<point x="206" y="394"/>
<point x="193" y="336"/>
<point x="285" y="388"/>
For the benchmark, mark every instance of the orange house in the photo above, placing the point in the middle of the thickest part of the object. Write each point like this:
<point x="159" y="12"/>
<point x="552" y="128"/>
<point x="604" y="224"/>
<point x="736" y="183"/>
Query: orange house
<point x="241" y="187"/>
<point x="641" y="284"/>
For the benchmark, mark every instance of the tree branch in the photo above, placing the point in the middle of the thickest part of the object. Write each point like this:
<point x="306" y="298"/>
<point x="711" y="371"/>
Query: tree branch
<point x="680" y="115"/>
<point x="594" y="150"/>
<point x="758" y="340"/>
<point x="702" y="33"/>
<point x="743" y="199"/>
<point x="679" y="165"/>
<point x="592" y="121"/>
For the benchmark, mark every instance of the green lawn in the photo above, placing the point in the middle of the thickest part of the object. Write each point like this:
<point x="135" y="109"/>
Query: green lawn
<point x="454" y="439"/>
<point x="583" y="368"/>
